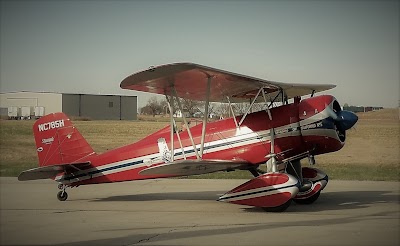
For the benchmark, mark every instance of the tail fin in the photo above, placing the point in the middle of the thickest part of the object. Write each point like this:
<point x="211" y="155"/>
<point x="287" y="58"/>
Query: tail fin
<point x="58" y="141"/>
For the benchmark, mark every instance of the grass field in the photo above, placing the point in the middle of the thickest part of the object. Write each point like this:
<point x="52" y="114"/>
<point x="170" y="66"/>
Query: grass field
<point x="372" y="150"/>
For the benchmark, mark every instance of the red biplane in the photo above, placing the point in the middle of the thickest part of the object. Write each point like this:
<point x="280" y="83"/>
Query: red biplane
<point x="285" y="131"/>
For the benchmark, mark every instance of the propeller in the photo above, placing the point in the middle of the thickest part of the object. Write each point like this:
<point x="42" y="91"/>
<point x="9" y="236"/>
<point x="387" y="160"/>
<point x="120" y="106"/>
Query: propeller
<point x="344" y="119"/>
<point x="330" y="112"/>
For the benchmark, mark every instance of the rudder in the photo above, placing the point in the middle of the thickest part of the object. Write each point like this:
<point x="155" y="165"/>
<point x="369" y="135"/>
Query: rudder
<point x="58" y="141"/>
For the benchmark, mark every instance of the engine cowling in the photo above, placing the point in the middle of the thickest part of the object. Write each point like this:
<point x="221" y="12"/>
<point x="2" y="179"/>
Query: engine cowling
<point x="323" y="124"/>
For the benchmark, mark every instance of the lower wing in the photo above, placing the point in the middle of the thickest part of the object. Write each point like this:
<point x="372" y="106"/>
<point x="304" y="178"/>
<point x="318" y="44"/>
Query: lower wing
<point x="194" y="167"/>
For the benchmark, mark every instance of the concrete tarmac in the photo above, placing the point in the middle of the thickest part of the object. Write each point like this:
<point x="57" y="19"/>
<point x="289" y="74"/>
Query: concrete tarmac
<point x="184" y="212"/>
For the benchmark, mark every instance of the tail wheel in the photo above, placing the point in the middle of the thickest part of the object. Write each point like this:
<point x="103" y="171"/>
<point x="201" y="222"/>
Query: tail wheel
<point x="278" y="209"/>
<point x="308" y="200"/>
<point x="62" y="195"/>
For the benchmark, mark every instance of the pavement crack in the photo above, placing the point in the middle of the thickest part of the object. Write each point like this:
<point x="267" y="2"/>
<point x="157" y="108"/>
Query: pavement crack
<point x="146" y="239"/>
<point x="63" y="212"/>
<point x="182" y="228"/>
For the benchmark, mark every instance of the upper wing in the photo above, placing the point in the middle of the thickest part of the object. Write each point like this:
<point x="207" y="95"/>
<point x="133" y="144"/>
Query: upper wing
<point x="190" y="81"/>
<point x="48" y="172"/>
<point x="194" y="167"/>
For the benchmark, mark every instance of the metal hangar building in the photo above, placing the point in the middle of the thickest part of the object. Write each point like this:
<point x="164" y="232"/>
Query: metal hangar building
<point x="95" y="107"/>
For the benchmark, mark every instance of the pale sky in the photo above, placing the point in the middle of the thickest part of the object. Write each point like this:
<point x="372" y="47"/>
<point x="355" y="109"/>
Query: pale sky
<point x="91" y="46"/>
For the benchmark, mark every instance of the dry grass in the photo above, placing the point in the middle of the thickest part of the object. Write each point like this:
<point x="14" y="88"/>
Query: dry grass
<point x="372" y="150"/>
<point x="374" y="141"/>
<point x="17" y="145"/>
<point x="106" y="135"/>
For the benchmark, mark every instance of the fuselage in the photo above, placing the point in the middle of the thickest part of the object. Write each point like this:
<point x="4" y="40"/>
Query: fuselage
<point x="300" y="127"/>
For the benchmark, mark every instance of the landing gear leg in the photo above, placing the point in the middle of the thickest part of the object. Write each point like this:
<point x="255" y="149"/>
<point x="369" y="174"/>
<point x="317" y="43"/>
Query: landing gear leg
<point x="62" y="195"/>
<point x="294" y="168"/>
<point x="313" y="181"/>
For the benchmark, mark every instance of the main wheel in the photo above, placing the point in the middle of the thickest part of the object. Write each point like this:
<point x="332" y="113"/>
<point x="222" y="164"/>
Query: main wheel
<point x="279" y="208"/>
<point x="62" y="196"/>
<point x="308" y="200"/>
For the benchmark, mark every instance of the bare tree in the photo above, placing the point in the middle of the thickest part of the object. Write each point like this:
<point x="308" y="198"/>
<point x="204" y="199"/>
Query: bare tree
<point x="164" y="106"/>
<point x="191" y="106"/>
<point x="152" y="107"/>
<point x="221" y="110"/>
<point x="240" y="108"/>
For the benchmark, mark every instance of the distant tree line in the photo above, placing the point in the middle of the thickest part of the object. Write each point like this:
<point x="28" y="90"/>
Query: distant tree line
<point x="156" y="106"/>
<point x="193" y="108"/>
<point x="359" y="109"/>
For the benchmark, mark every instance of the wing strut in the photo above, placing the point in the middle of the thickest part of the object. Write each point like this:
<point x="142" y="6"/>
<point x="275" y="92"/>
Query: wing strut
<point x="180" y="142"/>
<point x="272" y="162"/>
<point x="254" y="101"/>
<point x="205" y="120"/>
<point x="170" y="102"/>
<point x="203" y="131"/>
<point x="266" y="103"/>
<point x="272" y="155"/>
<point x="171" y="113"/>
<point x="233" y="113"/>
<point x="185" y="121"/>
<point x="249" y="108"/>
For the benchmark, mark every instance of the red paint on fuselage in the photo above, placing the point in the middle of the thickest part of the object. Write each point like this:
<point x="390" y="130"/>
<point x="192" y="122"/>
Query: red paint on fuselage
<point x="255" y="152"/>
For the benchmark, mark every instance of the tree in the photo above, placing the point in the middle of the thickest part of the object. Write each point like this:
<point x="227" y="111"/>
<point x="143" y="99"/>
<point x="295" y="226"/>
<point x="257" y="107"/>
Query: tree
<point x="146" y="110"/>
<point x="191" y="106"/>
<point x="153" y="107"/>
<point x="188" y="106"/>
<point x="221" y="110"/>
<point x="240" y="108"/>
<point x="164" y="106"/>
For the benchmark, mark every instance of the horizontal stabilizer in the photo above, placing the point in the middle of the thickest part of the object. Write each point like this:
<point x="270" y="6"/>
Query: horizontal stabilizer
<point x="194" y="167"/>
<point x="47" y="172"/>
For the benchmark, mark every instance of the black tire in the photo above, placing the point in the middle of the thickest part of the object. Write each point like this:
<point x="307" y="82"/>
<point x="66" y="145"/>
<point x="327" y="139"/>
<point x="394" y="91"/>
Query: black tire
<point x="309" y="200"/>
<point x="62" y="196"/>
<point x="278" y="209"/>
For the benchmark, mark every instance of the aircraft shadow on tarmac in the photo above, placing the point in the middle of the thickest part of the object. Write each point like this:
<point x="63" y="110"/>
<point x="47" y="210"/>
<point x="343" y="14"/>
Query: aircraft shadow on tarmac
<point x="170" y="196"/>
<point x="327" y="201"/>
